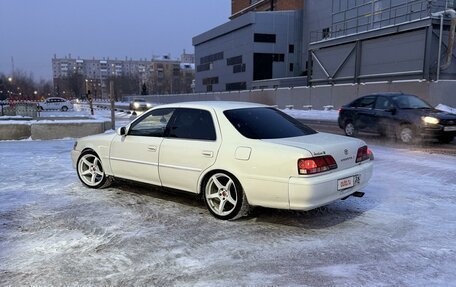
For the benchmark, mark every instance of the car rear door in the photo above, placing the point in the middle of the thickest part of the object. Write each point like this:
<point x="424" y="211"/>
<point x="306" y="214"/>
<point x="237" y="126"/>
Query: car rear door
<point x="190" y="147"/>
<point x="135" y="156"/>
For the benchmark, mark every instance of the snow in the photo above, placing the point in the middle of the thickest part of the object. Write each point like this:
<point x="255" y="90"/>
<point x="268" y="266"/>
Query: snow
<point x="54" y="231"/>
<point x="331" y="115"/>
<point x="446" y="108"/>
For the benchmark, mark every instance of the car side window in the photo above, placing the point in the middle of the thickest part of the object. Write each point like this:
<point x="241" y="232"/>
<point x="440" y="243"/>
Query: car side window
<point x="383" y="103"/>
<point x="365" y="103"/>
<point x="152" y="124"/>
<point x="192" y="124"/>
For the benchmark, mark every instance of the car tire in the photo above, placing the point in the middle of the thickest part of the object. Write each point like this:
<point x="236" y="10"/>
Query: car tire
<point x="446" y="139"/>
<point x="224" y="196"/>
<point x="350" y="129"/>
<point x="406" y="134"/>
<point x="64" y="109"/>
<point x="90" y="171"/>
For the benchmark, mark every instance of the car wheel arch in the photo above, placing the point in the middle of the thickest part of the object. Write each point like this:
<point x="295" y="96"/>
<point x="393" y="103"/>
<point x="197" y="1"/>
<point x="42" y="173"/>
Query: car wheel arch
<point x="205" y="177"/>
<point x="106" y="182"/>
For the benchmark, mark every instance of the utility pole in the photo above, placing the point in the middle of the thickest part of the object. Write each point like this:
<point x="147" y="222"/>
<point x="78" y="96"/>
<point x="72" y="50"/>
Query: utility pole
<point x="113" y="116"/>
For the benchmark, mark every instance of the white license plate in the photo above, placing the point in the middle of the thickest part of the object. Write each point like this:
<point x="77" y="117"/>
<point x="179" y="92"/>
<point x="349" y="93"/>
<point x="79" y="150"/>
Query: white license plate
<point x="347" y="182"/>
<point x="449" y="129"/>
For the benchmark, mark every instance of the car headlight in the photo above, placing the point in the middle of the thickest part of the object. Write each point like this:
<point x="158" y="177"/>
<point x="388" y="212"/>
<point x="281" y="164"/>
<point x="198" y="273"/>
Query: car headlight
<point x="136" y="105"/>
<point x="430" y="120"/>
<point x="149" y="105"/>
<point x="75" y="145"/>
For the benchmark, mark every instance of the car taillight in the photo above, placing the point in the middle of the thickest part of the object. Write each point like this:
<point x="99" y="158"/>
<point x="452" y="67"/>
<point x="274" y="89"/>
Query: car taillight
<point x="364" y="153"/>
<point x="316" y="164"/>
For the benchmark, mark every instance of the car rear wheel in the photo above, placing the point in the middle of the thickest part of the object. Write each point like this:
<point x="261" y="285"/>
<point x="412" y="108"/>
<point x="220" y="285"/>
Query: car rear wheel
<point x="90" y="171"/>
<point x="350" y="129"/>
<point x="406" y="134"/>
<point x="224" y="196"/>
<point x="64" y="109"/>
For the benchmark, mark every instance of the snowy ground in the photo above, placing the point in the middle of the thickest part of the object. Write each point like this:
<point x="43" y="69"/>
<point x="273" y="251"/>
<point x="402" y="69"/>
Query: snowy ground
<point x="54" y="231"/>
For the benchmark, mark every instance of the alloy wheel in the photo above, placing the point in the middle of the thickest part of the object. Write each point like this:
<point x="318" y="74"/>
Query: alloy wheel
<point x="90" y="170"/>
<point x="222" y="195"/>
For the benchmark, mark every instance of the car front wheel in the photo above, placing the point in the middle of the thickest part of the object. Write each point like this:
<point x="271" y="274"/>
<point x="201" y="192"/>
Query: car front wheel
<point x="224" y="197"/>
<point x="90" y="171"/>
<point x="350" y="129"/>
<point x="406" y="134"/>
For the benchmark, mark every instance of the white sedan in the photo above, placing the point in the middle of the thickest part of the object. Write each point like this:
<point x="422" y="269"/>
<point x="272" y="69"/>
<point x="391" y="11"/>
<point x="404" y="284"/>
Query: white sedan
<point x="234" y="154"/>
<point x="55" y="103"/>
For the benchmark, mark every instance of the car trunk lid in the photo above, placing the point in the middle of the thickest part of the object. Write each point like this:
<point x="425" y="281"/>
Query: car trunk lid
<point x="342" y="149"/>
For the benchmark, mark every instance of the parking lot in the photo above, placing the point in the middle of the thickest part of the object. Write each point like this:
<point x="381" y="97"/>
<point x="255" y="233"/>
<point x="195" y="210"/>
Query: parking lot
<point x="54" y="231"/>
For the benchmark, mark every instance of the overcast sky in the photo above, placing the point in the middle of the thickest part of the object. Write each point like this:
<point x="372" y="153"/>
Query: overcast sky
<point x="32" y="31"/>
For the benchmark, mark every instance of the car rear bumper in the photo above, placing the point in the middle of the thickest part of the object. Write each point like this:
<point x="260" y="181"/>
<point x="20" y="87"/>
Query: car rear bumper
<point x="307" y="193"/>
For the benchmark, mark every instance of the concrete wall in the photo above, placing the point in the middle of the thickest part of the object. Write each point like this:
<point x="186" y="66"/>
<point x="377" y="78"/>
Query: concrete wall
<point x="49" y="130"/>
<point x="318" y="96"/>
<point x="14" y="131"/>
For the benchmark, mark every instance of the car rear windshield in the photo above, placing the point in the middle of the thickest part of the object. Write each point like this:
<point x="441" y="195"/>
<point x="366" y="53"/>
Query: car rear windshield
<point x="266" y="123"/>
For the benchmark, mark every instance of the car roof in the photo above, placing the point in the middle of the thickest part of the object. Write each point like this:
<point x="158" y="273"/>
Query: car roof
<point x="216" y="105"/>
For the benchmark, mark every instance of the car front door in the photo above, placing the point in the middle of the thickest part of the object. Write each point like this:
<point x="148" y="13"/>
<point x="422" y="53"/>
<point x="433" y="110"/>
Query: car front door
<point x="365" y="113"/>
<point x="384" y="115"/>
<point x="190" y="147"/>
<point x="135" y="155"/>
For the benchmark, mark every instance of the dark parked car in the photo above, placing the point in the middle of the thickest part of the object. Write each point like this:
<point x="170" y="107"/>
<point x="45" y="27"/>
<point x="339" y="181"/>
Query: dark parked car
<point x="406" y="117"/>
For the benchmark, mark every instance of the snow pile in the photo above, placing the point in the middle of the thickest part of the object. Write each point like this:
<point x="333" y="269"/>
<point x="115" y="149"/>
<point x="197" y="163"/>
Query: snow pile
<point x="442" y="107"/>
<point x="330" y="115"/>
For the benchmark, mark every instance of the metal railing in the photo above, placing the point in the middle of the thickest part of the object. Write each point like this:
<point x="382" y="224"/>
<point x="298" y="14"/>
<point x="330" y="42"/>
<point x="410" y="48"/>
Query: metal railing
<point x="19" y="108"/>
<point x="370" y="16"/>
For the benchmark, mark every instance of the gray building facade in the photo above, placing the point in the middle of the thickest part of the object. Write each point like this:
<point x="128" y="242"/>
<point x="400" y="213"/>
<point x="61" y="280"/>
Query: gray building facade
<point x="254" y="46"/>
<point x="334" y="42"/>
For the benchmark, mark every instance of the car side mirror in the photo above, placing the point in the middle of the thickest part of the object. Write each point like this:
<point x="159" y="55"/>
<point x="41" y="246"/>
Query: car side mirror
<point x="122" y="131"/>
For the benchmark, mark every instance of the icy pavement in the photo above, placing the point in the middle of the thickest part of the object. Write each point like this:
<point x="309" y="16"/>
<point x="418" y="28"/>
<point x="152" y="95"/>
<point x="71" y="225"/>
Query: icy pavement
<point x="55" y="232"/>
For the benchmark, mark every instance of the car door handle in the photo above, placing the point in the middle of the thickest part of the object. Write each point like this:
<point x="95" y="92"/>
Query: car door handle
<point x="152" y="148"/>
<point x="207" y="153"/>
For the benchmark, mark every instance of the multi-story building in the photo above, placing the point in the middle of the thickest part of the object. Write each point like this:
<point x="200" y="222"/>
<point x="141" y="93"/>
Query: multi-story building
<point x="160" y="75"/>
<point x="329" y="42"/>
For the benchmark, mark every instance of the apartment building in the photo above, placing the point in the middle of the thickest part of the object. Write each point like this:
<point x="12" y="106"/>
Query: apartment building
<point x="160" y="75"/>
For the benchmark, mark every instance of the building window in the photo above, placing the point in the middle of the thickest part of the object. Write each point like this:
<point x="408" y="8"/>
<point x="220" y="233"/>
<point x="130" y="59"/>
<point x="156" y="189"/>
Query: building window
<point x="278" y="57"/>
<point x="210" y="81"/>
<point x="236" y="86"/>
<point x="211" y="58"/>
<point x="203" y="67"/>
<point x="291" y="67"/>
<point x="234" y="60"/>
<point x="264" y="38"/>
<point x="291" y="48"/>
<point x="239" y="68"/>
<point x="326" y="33"/>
